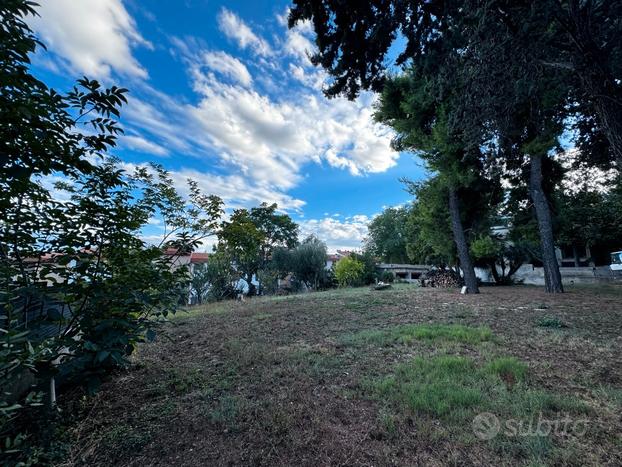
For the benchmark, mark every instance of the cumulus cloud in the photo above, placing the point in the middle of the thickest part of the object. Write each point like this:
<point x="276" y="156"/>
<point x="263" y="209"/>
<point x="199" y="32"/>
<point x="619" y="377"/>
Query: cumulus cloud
<point x="257" y="123"/>
<point x="347" y="234"/>
<point x="228" y="66"/>
<point x="270" y="138"/>
<point x="234" y="28"/>
<point x="237" y="191"/>
<point x="93" y="37"/>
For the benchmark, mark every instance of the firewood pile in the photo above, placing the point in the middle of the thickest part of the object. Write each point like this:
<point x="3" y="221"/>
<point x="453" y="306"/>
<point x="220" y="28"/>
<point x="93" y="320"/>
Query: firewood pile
<point x="445" y="278"/>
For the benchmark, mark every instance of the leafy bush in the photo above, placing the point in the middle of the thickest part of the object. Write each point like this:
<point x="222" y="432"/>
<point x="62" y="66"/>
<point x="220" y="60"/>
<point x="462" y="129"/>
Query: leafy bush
<point x="79" y="288"/>
<point x="220" y="276"/>
<point x="349" y="271"/>
<point x="369" y="275"/>
<point x="387" y="277"/>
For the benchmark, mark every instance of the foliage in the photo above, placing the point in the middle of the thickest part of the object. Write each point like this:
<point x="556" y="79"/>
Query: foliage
<point x="387" y="277"/>
<point x="502" y="257"/>
<point x="308" y="261"/>
<point x="251" y="236"/>
<point x="78" y="287"/>
<point x="220" y="276"/>
<point x="550" y="322"/>
<point x="368" y="260"/>
<point x="199" y="283"/>
<point x="387" y="236"/>
<point x="268" y="278"/>
<point x="428" y="233"/>
<point x="349" y="272"/>
<point x="591" y="218"/>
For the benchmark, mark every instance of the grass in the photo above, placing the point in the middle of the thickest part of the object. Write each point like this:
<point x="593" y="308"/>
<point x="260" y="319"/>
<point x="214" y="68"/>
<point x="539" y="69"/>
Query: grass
<point x="359" y="377"/>
<point x="227" y="412"/>
<point x="406" y="334"/>
<point x="550" y="322"/>
<point x="455" y="389"/>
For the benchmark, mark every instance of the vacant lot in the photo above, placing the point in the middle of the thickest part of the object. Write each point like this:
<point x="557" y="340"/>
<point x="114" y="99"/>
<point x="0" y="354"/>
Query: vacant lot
<point x="361" y="377"/>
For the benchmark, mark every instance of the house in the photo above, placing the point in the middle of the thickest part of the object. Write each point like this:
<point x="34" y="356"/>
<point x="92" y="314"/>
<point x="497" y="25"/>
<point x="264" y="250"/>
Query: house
<point x="192" y="259"/>
<point x="331" y="259"/>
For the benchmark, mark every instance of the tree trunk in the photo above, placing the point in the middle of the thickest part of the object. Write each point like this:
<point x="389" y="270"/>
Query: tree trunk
<point x="470" y="280"/>
<point x="575" y="255"/>
<point x="494" y="272"/>
<point x="552" y="277"/>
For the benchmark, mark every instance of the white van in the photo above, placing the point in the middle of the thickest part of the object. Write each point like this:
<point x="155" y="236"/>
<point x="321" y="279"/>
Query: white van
<point x="616" y="261"/>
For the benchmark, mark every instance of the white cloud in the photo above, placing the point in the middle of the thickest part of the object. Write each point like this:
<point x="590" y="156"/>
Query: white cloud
<point x="93" y="37"/>
<point x="138" y="143"/>
<point x="299" y="46"/>
<point x="271" y="138"/>
<point x="229" y="66"/>
<point x="237" y="191"/>
<point x="234" y="28"/>
<point x="338" y="235"/>
<point x="257" y="123"/>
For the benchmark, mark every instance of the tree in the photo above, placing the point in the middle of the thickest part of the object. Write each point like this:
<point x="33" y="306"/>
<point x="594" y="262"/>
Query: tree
<point x="349" y="271"/>
<point x="429" y="239"/>
<point x="308" y="261"/>
<point x="242" y="241"/>
<point x="411" y="106"/>
<point x="508" y="59"/>
<point x="353" y="39"/>
<point x="502" y="257"/>
<point x="75" y="265"/>
<point x="279" y="230"/>
<point x="220" y="276"/>
<point x="250" y="237"/>
<point x="387" y="237"/>
<point x="591" y="219"/>
<point x="581" y="41"/>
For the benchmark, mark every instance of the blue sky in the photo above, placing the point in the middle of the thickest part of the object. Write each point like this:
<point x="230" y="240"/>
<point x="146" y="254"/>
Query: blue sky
<point x="224" y="93"/>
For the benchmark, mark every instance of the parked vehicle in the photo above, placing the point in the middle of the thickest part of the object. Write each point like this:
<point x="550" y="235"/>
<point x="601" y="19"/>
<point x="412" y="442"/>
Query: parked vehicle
<point x="616" y="261"/>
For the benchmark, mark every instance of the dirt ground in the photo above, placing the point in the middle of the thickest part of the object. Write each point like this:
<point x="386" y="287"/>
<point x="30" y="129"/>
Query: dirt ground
<point x="275" y="381"/>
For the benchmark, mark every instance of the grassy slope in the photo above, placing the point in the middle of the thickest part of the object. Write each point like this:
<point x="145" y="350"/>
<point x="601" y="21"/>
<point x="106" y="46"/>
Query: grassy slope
<point x="362" y="377"/>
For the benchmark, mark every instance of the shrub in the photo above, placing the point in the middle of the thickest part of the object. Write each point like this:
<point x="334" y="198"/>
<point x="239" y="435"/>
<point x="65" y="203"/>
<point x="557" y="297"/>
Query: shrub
<point x="349" y="271"/>
<point x="387" y="277"/>
<point x="78" y="287"/>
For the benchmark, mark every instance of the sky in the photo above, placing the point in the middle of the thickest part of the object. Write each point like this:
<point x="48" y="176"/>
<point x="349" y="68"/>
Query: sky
<point x="224" y="93"/>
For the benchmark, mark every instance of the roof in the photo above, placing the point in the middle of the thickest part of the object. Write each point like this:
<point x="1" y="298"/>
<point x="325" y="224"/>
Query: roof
<point x="199" y="258"/>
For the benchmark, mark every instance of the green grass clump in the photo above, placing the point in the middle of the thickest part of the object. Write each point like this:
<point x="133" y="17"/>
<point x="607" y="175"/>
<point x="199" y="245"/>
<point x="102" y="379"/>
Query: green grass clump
<point x="457" y="388"/>
<point x="435" y="386"/>
<point x="508" y="368"/>
<point x="408" y="333"/>
<point x="550" y="322"/>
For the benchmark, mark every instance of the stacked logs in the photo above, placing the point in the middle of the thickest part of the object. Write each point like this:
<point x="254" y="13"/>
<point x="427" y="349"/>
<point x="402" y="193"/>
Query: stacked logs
<point x="445" y="278"/>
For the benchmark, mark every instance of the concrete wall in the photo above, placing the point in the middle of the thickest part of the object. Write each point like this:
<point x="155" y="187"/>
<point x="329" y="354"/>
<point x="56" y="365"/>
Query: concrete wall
<point x="528" y="274"/>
